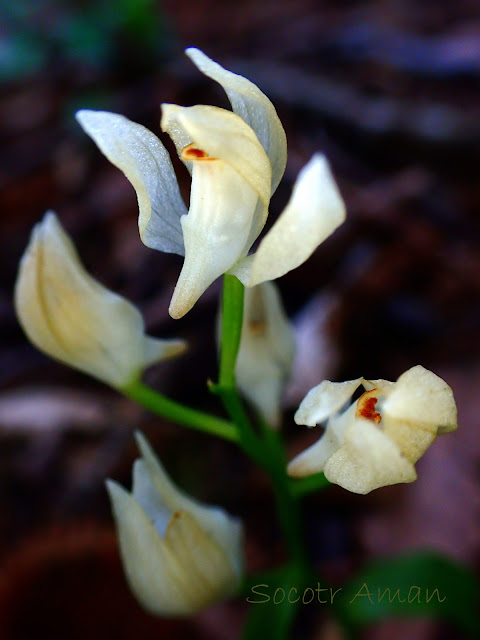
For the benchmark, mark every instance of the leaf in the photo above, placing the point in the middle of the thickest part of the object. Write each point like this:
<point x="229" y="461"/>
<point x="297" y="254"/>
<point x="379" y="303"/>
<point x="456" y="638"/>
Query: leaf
<point x="420" y="584"/>
<point x="271" y="615"/>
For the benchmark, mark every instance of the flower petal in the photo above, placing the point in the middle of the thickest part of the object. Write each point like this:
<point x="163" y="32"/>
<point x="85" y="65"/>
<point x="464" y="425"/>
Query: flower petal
<point x="412" y="439"/>
<point x="422" y="398"/>
<point x="171" y="496"/>
<point x="145" y="162"/>
<point x="266" y="350"/>
<point x="211" y="577"/>
<point x="231" y="175"/>
<point x="156" y="350"/>
<point x="225" y="529"/>
<point x="72" y="317"/>
<point x="325" y="400"/>
<point x="368" y="459"/>
<point x="152" y="571"/>
<point x="313" y="459"/>
<point x="216" y="230"/>
<point x="223" y="135"/>
<point x="147" y="496"/>
<point x="313" y="213"/>
<point x="253" y="106"/>
<point x="384" y="387"/>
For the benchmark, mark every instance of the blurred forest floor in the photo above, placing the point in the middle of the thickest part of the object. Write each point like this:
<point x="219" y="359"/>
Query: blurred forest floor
<point x="390" y="92"/>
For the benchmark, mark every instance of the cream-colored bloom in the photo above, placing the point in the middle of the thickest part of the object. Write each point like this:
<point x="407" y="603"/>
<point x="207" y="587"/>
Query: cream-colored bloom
<point x="266" y="350"/>
<point x="73" y="318"/>
<point x="236" y="160"/>
<point x="179" y="556"/>
<point x="376" y="440"/>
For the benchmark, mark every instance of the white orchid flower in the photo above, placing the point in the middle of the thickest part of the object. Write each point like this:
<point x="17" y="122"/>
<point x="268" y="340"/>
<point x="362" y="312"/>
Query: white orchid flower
<point x="376" y="440"/>
<point x="179" y="556"/>
<point x="266" y="351"/>
<point x="236" y="161"/>
<point x="73" y="318"/>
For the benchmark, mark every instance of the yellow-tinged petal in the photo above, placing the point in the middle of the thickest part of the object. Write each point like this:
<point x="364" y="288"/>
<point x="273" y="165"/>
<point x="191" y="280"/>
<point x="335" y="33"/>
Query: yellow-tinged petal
<point x="421" y="397"/>
<point x="202" y="559"/>
<point x="325" y="400"/>
<point x="230" y="187"/>
<point x="266" y="351"/>
<point x="73" y="318"/>
<point x="251" y="105"/>
<point x="223" y="135"/>
<point x="379" y="438"/>
<point x="155" y="350"/>
<point x="145" y="162"/>
<point x="179" y="555"/>
<point x="368" y="459"/>
<point x="313" y="213"/>
<point x="151" y="571"/>
<point x="224" y="528"/>
<point x="215" y="231"/>
<point x="383" y="386"/>
<point x="313" y="459"/>
<point x="412" y="439"/>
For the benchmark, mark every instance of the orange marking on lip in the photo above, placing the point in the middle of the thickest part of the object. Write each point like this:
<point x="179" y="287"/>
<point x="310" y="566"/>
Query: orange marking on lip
<point x="366" y="407"/>
<point x="191" y="152"/>
<point x="257" y="327"/>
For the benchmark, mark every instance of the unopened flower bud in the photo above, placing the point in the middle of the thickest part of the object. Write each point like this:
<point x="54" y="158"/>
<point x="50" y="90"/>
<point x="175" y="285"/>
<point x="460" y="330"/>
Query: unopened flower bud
<point x="266" y="351"/>
<point x="179" y="555"/>
<point x="73" y="318"/>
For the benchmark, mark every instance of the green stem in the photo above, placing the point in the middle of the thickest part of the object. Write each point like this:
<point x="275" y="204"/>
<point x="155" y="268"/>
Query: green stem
<point x="247" y="438"/>
<point x="303" y="486"/>
<point x="171" y="410"/>
<point x="232" y="318"/>
<point x="266" y="449"/>
<point x="288" y="506"/>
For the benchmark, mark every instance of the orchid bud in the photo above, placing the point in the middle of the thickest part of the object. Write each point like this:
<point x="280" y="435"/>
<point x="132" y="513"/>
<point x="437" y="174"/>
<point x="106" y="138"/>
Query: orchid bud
<point x="179" y="555"/>
<point x="376" y="440"/>
<point x="74" y="319"/>
<point x="266" y="351"/>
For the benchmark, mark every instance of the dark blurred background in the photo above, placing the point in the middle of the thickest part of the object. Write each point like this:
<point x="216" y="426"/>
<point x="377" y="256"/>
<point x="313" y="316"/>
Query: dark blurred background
<point x="390" y="92"/>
